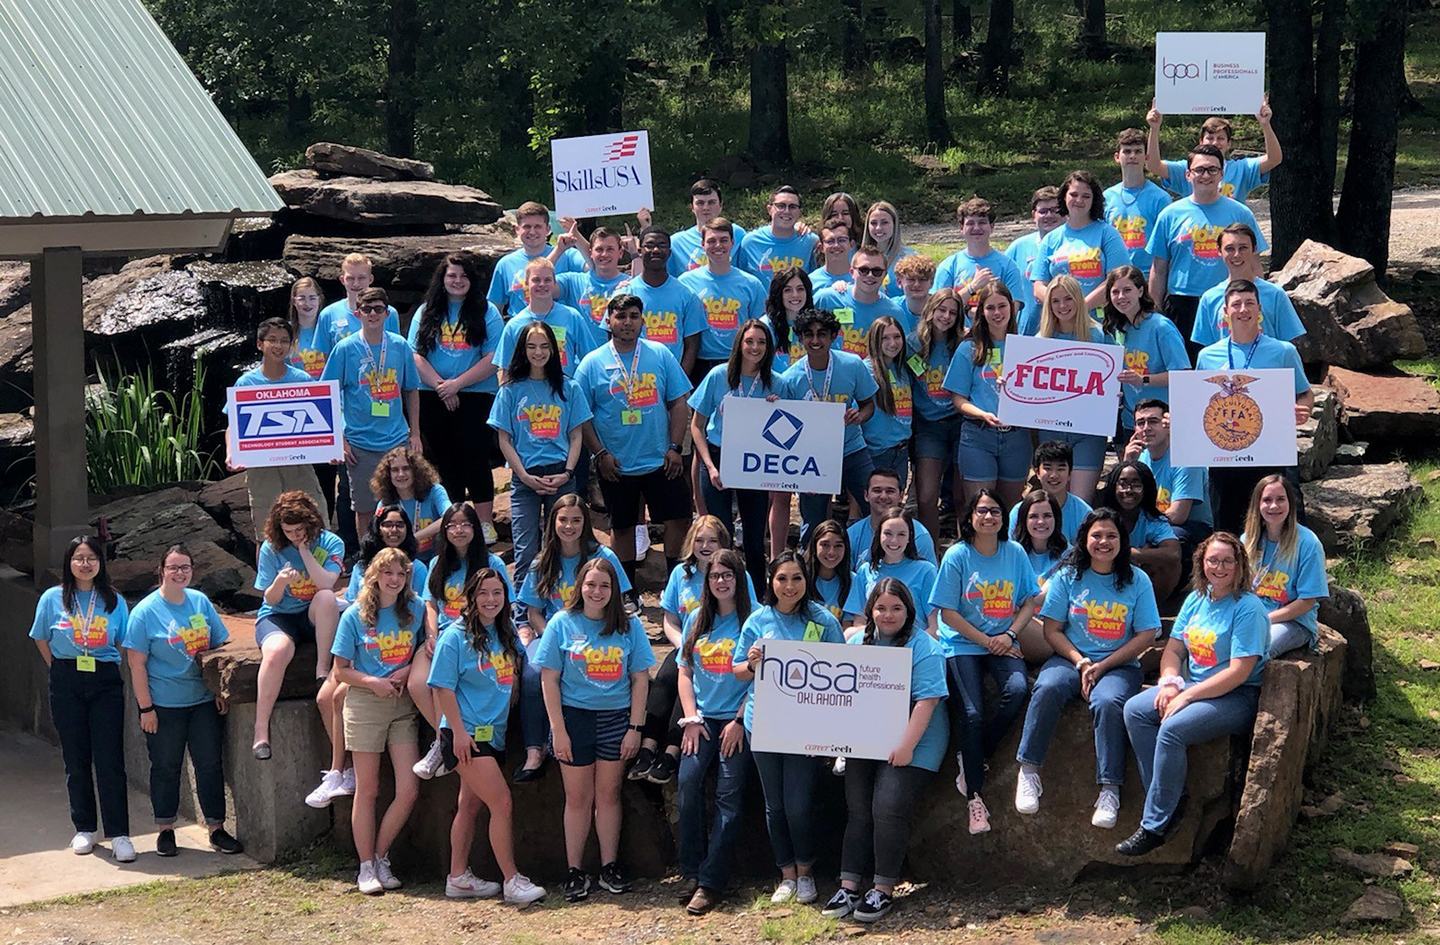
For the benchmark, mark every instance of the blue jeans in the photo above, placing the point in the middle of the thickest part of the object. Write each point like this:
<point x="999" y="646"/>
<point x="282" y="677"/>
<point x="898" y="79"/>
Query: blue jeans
<point x="854" y="478"/>
<point x="1160" y="747"/>
<point x="1058" y="683"/>
<point x="199" y="728"/>
<point x="710" y="862"/>
<point x="896" y="458"/>
<point x="1288" y="635"/>
<point x="965" y="676"/>
<point x="880" y="799"/>
<point x="534" y="722"/>
<point x="528" y="511"/>
<point x="753" y="506"/>
<point x="789" y="784"/>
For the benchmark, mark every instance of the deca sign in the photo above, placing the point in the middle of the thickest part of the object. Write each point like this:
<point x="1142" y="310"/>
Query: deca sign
<point x="601" y="174"/>
<point x="781" y="446"/>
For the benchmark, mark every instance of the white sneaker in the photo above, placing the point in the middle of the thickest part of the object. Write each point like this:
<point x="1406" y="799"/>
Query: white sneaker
<point x="520" y="891"/>
<point x="805" y="891"/>
<point x="1028" y="791"/>
<point x="469" y="886"/>
<point x="1107" y="808"/>
<point x="839" y="767"/>
<point x="784" y="892"/>
<point x="487" y="529"/>
<point x="433" y="764"/>
<point x="642" y="542"/>
<point x="83" y="842"/>
<point x="326" y="791"/>
<point x="382" y="873"/>
<point x="123" y="850"/>
<point x="367" y="882"/>
<point x="347" y="783"/>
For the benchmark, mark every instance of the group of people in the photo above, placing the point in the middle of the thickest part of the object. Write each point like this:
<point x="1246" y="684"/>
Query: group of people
<point x="578" y="372"/>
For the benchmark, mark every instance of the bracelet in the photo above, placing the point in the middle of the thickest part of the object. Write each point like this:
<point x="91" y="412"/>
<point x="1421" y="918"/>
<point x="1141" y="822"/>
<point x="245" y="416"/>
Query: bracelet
<point x="147" y="708"/>
<point x="636" y="728"/>
<point x="1177" y="681"/>
<point x="569" y="473"/>
<point x="690" y="720"/>
<point x="601" y="453"/>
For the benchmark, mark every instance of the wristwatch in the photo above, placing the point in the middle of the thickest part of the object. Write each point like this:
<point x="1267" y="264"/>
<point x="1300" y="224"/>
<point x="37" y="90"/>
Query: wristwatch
<point x="569" y="473"/>
<point x="676" y="447"/>
<point x="637" y="728"/>
<point x="1145" y="380"/>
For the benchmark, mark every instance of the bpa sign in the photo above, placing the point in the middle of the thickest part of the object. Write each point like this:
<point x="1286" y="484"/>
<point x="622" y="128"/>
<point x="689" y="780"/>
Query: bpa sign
<point x="285" y="424"/>
<point x="599" y="175"/>
<point x="1209" y="73"/>
<point x="782" y="445"/>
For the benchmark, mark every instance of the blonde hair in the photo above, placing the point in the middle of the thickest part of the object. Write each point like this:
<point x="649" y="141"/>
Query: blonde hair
<point x="1049" y="323"/>
<point x="369" y="602"/>
<point x="357" y="259"/>
<point x="539" y="262"/>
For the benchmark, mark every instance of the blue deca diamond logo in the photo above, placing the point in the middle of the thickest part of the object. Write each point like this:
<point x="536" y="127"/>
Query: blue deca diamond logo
<point x="783" y="429"/>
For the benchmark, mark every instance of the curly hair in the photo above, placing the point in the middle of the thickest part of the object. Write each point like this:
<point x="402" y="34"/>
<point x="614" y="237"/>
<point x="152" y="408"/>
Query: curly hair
<point x="295" y="507"/>
<point x="369" y="602"/>
<point x="421" y="472"/>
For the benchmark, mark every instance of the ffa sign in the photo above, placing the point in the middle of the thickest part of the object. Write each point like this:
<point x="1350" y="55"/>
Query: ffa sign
<point x="1066" y="386"/>
<point x="1233" y="418"/>
<point x="600" y="175"/>
<point x="285" y="425"/>
<point x="782" y="445"/>
<point x="1209" y="73"/>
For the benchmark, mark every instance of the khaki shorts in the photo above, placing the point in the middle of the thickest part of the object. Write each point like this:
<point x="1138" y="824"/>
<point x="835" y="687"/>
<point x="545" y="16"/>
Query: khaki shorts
<point x="372" y="723"/>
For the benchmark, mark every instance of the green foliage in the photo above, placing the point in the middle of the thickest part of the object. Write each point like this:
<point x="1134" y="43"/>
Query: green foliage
<point x="137" y="435"/>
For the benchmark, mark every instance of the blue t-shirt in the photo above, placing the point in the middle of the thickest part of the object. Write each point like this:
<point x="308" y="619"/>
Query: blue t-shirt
<point x="1278" y="317"/>
<point x="452" y="354"/>
<point x="312" y="349"/>
<point x="507" y="285"/>
<point x="862" y="534"/>
<point x="978" y="382"/>
<point x="718" y="694"/>
<point x="762" y="254"/>
<point x="255" y="377"/>
<point x="372" y="378"/>
<point x="728" y="301"/>
<point x="564" y="591"/>
<point x="1133" y="214"/>
<point x="172" y="636"/>
<point x="90" y="629"/>
<point x="828" y="591"/>
<point x="629" y="397"/>
<point x="424" y="513"/>
<point x="820" y="279"/>
<point x="812" y="623"/>
<point x="856" y="317"/>
<point x="709" y="397"/>
<point x="383" y="648"/>
<point x="1215" y="632"/>
<point x="452" y="607"/>
<point x="927" y="681"/>
<point x="1149" y="530"/>
<point x="932" y="400"/>
<point x="1072" y="513"/>
<point x="329" y="553"/>
<point x="687" y="251"/>
<point x="588" y="294"/>
<point x="845" y="381"/>
<point x="539" y="421"/>
<point x="419" y="574"/>
<point x="1187" y="236"/>
<point x="1153" y="346"/>
<point x="1300" y="576"/>
<point x="1045" y="564"/>
<point x="917" y="574"/>
<point x="682" y="592"/>
<point x="337" y="322"/>
<point x="1022" y="253"/>
<point x="1263" y="352"/>
<point x="672" y="312"/>
<point x="1087" y="253"/>
<point x="1241" y="175"/>
<point x="594" y="669"/>
<point x="987" y="590"/>
<point x="1098" y="617"/>
<point x="482" y="683"/>
<point x="960" y="266"/>
<point x="883" y="430"/>
<point x="574" y="333"/>
<point x="1180" y="482"/>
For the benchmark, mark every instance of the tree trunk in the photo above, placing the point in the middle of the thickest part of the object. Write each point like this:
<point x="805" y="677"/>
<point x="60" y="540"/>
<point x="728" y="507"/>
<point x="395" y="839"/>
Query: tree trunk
<point x="400" y="78"/>
<point x="599" y="90"/>
<point x="996" y="53"/>
<point x="1092" y="30"/>
<point x="937" y="129"/>
<point x="1327" y="83"/>
<point x="850" y="35"/>
<point x="769" y="104"/>
<point x="962" y="29"/>
<point x="715" y="33"/>
<point x="1362" y="223"/>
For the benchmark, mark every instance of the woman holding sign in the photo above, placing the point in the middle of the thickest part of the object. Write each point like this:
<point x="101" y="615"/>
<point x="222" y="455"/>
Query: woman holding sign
<point x="880" y="795"/>
<point x="1153" y="346"/>
<point x="791" y="612"/>
<point x="77" y="629"/>
<point x="1065" y="317"/>
<point x="1099" y="616"/>
<point x="167" y="632"/>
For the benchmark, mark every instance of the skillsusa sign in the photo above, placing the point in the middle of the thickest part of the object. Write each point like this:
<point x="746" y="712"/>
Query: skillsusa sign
<point x="782" y="445"/>
<point x="1065" y="386"/>
<point x="1209" y="73"/>
<point x="285" y="424"/>
<point x="600" y="175"/>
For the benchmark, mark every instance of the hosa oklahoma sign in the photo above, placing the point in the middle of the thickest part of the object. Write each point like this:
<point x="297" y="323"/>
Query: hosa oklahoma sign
<point x="1209" y="73"/>
<point x="599" y="175"/>
<point x="286" y="424"/>
<point x="831" y="699"/>
<point x="1067" y="386"/>
<point x="782" y="445"/>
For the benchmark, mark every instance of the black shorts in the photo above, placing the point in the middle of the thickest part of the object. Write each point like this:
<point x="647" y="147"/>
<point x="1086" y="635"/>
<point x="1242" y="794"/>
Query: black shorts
<point x="595" y="734"/>
<point x="477" y="750"/>
<point x="296" y="626"/>
<point x="667" y="499"/>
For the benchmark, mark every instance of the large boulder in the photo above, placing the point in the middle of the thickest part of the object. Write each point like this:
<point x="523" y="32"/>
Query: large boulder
<point x="377" y="204"/>
<point x="1355" y="504"/>
<point x="228" y="502"/>
<point x="1348" y="319"/>
<point x="233" y="670"/>
<point x="341" y="160"/>
<point x="239" y="295"/>
<point x="1386" y="405"/>
<point x="1344" y="610"/>
<point x="143" y="526"/>
<point x="405" y="262"/>
<point x="1319" y="437"/>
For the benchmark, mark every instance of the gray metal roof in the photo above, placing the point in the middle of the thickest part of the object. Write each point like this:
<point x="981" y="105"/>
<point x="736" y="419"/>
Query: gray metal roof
<point x="99" y="115"/>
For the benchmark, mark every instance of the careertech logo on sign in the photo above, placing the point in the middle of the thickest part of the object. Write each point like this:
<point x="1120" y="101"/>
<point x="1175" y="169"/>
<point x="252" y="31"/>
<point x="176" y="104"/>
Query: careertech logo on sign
<point x="781" y="431"/>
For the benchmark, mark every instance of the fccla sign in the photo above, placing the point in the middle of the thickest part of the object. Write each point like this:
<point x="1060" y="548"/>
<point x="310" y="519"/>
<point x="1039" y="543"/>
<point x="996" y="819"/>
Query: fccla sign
<point x="1060" y="385"/>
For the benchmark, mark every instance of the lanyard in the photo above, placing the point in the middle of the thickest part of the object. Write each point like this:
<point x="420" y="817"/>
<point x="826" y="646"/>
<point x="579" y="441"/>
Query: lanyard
<point x="748" y="391"/>
<point x="370" y="356"/>
<point x="823" y="394"/>
<point x="89" y="619"/>
<point x="1230" y="353"/>
<point x="627" y="379"/>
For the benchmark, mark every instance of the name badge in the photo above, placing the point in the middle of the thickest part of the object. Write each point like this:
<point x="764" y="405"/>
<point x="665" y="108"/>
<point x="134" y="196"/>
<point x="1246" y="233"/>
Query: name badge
<point x="379" y="408"/>
<point x="918" y="365"/>
<point x="630" y="418"/>
<point x="85" y="664"/>
<point x="197" y="622"/>
<point x="846" y="316"/>
<point x="559" y="335"/>
<point x="484" y="734"/>
<point x="813" y="632"/>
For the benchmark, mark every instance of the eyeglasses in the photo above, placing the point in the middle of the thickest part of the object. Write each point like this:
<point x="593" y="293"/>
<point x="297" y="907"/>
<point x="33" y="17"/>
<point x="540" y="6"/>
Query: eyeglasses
<point x="1219" y="562"/>
<point x="987" y="511"/>
<point x="378" y="307"/>
<point x="1208" y="170"/>
<point x="721" y="577"/>
<point x="786" y="206"/>
<point x="396" y="525"/>
<point x="179" y="568"/>
<point x="85" y="559"/>
<point x="872" y="271"/>
<point x="841" y="241"/>
<point x="454" y="525"/>
<point x="1047" y="210"/>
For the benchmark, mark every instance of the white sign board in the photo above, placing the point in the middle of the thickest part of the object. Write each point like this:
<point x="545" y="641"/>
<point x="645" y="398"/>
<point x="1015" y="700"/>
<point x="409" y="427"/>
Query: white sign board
<point x="285" y="424"/>
<point x="1209" y="73"/>
<point x="782" y="445"/>
<point x="600" y="175"/>
<point x="1232" y="418"/>
<point x="1063" y="386"/>
<point x="831" y="699"/>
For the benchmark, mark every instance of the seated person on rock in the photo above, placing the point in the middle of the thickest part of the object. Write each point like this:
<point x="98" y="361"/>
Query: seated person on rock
<point x="1289" y="565"/>
<point x="1129" y="489"/>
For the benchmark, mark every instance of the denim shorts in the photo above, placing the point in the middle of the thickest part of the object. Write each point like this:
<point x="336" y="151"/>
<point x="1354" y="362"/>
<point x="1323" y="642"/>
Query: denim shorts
<point x="1089" y="450"/>
<point x="296" y="626"/>
<point x="937" y="439"/>
<point x="990" y="455"/>
<point x="595" y="734"/>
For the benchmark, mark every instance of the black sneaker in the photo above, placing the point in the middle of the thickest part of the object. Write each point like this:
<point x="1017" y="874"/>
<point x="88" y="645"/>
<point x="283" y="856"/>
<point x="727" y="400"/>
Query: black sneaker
<point x="165" y="843"/>
<point x="663" y="770"/>
<point x="223" y="842"/>
<point x="841" y="904"/>
<point x="875" y="906"/>
<point x="577" y="885"/>
<point x="1139" y="843"/>
<point x="632" y="604"/>
<point x="614" y="879"/>
<point x="644" y="760"/>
